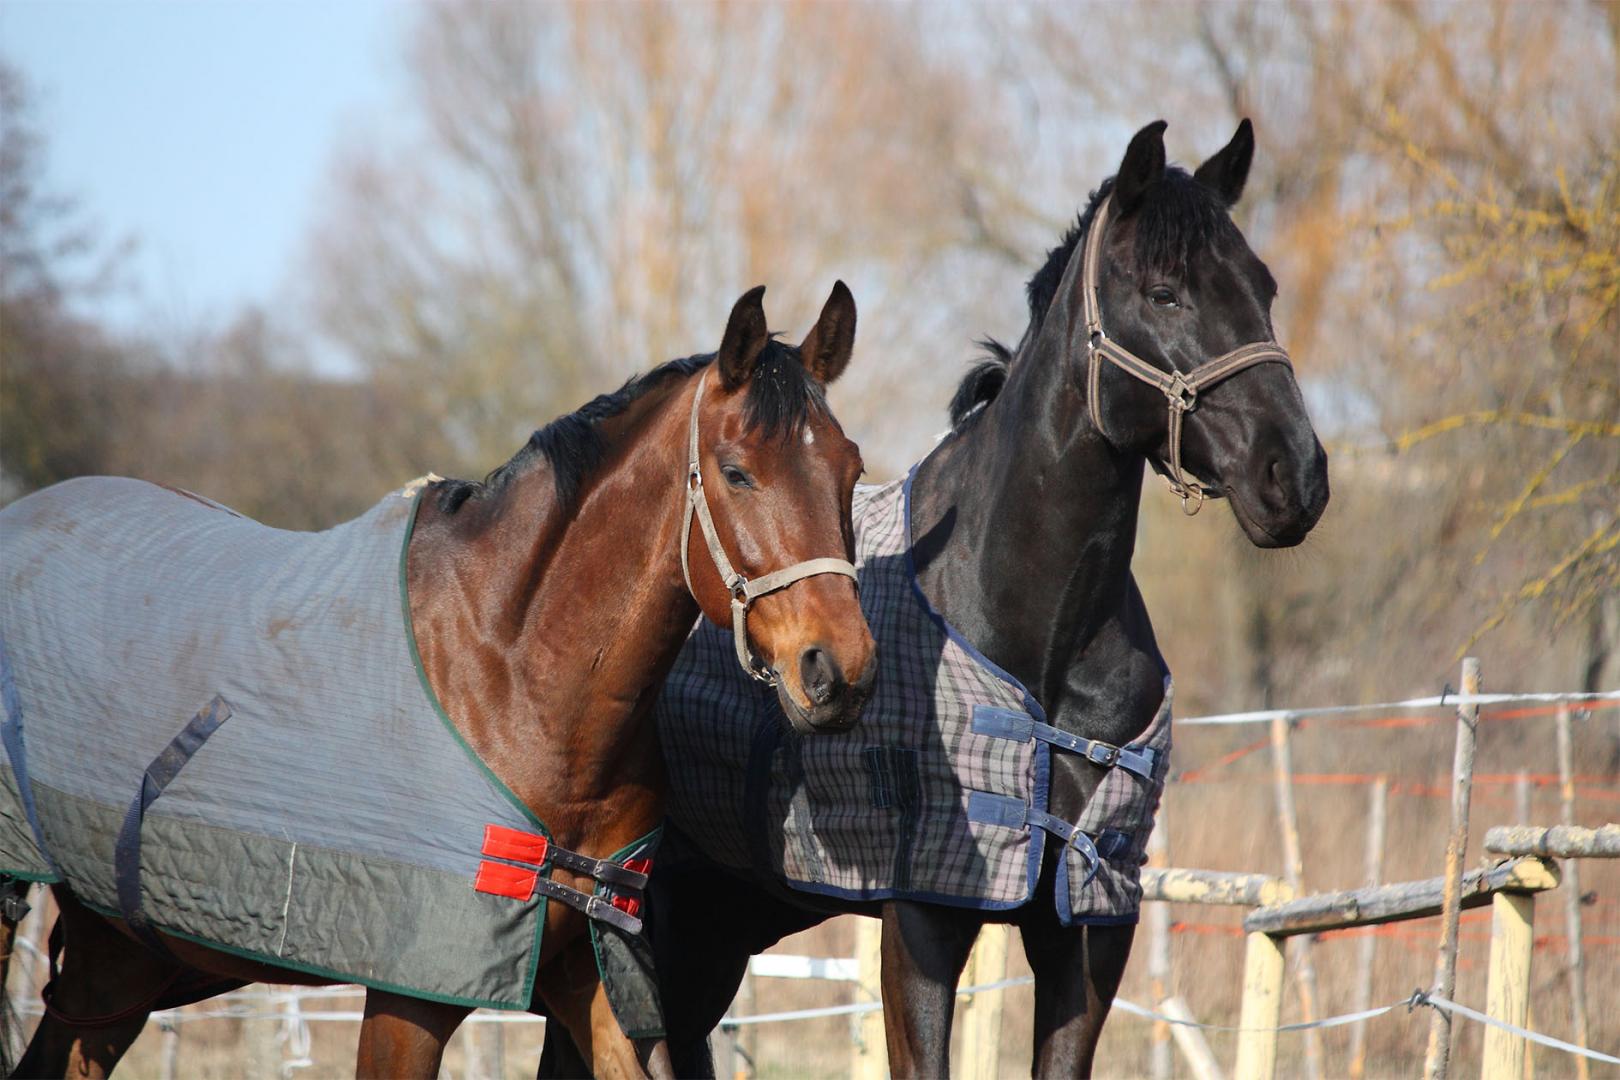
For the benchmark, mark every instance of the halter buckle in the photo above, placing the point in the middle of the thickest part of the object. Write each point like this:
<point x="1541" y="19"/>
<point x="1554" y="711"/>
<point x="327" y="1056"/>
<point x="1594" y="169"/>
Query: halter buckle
<point x="1103" y="755"/>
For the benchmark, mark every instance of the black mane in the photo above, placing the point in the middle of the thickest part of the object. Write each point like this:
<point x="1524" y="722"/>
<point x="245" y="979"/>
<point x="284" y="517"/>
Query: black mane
<point x="1176" y="222"/>
<point x="781" y="398"/>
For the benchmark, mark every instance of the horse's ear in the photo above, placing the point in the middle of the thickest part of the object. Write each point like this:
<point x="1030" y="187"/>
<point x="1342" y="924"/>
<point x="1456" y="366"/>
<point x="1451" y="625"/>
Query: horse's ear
<point x="828" y="345"/>
<point x="745" y="337"/>
<point x="1226" y="172"/>
<point x="1143" y="164"/>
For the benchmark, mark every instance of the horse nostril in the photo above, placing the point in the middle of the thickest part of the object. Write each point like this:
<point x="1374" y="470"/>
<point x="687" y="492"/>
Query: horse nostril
<point x="820" y="674"/>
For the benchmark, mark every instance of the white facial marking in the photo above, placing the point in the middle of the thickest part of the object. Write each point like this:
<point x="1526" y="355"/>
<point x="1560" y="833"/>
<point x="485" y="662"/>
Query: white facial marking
<point x="809" y="437"/>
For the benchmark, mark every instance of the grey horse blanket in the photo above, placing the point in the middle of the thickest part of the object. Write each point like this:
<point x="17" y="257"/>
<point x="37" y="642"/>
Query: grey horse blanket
<point x="939" y="794"/>
<point x="223" y="730"/>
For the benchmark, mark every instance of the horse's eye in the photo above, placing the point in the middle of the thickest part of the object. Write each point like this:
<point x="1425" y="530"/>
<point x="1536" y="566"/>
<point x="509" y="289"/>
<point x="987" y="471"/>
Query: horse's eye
<point x="1163" y="297"/>
<point x="736" y="477"/>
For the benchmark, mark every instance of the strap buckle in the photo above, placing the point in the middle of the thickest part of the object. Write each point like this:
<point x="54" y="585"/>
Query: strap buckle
<point x="1102" y="754"/>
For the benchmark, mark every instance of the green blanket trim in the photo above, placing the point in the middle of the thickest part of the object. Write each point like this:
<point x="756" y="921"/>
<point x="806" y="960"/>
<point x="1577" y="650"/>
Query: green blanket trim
<point x="455" y="733"/>
<point x="333" y="974"/>
<point x="596" y="942"/>
<point x="427" y="688"/>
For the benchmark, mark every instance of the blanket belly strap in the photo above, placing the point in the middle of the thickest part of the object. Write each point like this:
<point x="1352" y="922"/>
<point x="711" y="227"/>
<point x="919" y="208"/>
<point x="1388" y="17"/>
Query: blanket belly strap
<point x="1021" y="727"/>
<point x="159" y="775"/>
<point x="11" y="733"/>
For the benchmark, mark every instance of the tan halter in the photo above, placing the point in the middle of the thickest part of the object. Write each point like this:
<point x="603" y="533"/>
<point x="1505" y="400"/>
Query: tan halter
<point x="1180" y="390"/>
<point x="743" y="592"/>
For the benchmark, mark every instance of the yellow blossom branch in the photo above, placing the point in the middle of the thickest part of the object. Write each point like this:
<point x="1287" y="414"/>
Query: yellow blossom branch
<point x="1530" y="488"/>
<point x="1584" y="428"/>
<point x="1600" y="542"/>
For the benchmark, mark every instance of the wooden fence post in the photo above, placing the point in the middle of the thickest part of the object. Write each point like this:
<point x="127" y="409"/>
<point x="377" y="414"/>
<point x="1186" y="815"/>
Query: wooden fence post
<point x="981" y="1015"/>
<point x="486" y="1051"/>
<point x="1158" y="926"/>
<point x="747" y="1037"/>
<point x="1437" y="1058"/>
<point x="1507" y="996"/>
<point x="261" y="1050"/>
<point x="1194" y="1047"/>
<point x="870" y="1057"/>
<point x="170" y="1067"/>
<point x="1377" y="807"/>
<point x="1282" y="773"/>
<point x="1262" y="1008"/>
<point x="1572" y="894"/>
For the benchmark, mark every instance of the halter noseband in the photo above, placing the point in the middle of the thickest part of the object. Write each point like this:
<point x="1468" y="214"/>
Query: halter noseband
<point x="1181" y="390"/>
<point x="743" y="591"/>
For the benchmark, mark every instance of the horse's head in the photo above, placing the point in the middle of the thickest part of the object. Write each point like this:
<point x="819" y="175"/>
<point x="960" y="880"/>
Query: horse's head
<point x="1177" y="347"/>
<point x="773" y="475"/>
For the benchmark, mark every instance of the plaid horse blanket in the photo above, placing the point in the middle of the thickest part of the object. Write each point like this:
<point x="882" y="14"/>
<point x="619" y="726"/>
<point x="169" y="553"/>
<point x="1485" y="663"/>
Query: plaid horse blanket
<point x="940" y="794"/>
<point x="222" y="730"/>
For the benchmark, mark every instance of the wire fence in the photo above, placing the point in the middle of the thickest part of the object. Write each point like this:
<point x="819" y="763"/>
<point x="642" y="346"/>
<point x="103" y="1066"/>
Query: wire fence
<point x="289" y="1007"/>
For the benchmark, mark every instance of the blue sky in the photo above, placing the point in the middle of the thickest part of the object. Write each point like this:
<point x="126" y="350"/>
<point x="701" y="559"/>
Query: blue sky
<point x="201" y="130"/>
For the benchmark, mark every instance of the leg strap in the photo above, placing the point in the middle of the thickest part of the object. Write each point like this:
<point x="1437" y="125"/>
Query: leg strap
<point x="127" y="852"/>
<point x="11" y="733"/>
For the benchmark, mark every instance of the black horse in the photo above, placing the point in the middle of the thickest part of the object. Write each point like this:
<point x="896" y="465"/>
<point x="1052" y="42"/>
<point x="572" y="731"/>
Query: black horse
<point x="1026" y="522"/>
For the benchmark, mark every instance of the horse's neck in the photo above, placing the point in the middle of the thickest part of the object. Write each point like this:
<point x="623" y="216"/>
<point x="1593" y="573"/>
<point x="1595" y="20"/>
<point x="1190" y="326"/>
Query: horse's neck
<point x="546" y="629"/>
<point x="1034" y="519"/>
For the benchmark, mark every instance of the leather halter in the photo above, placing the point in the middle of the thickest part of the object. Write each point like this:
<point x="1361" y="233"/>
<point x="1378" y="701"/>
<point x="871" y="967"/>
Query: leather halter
<point x="743" y="591"/>
<point x="1180" y="390"/>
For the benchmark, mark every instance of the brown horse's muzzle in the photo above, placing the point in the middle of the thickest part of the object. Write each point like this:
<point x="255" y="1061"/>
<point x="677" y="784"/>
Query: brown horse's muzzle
<point x="820" y="651"/>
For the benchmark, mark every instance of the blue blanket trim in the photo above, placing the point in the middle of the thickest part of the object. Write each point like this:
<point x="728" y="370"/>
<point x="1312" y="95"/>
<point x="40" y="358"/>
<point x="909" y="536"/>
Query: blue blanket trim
<point x="11" y="732"/>
<point x="1043" y="756"/>
<point x="159" y="775"/>
<point x="1060" y="888"/>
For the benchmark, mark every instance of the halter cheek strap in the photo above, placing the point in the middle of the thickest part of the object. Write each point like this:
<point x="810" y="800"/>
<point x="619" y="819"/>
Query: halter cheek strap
<point x="1180" y="389"/>
<point x="743" y="591"/>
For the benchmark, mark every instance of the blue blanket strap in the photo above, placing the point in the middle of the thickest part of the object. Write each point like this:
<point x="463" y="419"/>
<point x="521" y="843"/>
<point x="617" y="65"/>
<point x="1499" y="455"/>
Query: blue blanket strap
<point x="11" y="732"/>
<point x="987" y="808"/>
<point x="1021" y="727"/>
<point x="127" y="852"/>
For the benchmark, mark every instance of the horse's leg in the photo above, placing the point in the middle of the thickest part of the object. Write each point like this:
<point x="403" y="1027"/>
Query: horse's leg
<point x="1077" y="971"/>
<point x="11" y="897"/>
<point x="103" y="974"/>
<point x="404" y="1036"/>
<point x="925" y="947"/>
<point x="560" y="1059"/>
<point x="704" y="923"/>
<point x="575" y="998"/>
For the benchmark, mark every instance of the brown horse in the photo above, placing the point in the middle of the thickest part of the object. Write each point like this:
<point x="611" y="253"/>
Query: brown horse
<point x="547" y="604"/>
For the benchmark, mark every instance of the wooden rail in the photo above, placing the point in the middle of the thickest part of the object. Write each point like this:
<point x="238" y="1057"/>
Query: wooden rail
<point x="1179" y="885"/>
<point x="1509" y="886"/>
<point x="1392" y="903"/>
<point x="1559" y="841"/>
